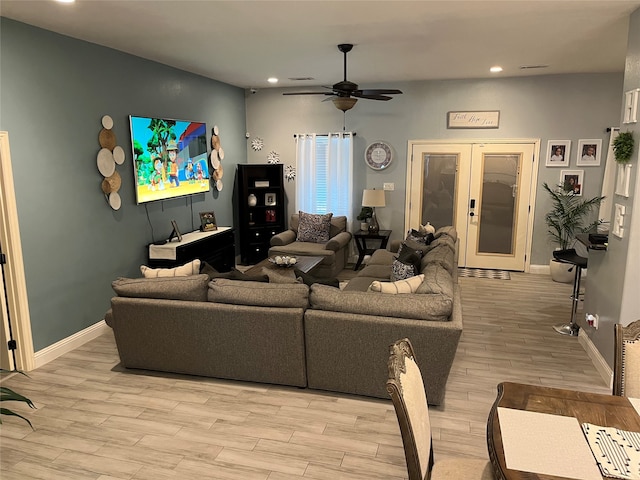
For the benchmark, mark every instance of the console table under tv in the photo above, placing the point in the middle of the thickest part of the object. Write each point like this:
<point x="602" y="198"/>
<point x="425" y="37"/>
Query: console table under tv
<point x="217" y="248"/>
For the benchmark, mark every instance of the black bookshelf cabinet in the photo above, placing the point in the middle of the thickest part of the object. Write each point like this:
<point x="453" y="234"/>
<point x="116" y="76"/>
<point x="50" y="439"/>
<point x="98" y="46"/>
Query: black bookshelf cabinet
<point x="261" y="212"/>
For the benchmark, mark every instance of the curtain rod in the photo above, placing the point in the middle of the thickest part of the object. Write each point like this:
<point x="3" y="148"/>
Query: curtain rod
<point x="295" y="135"/>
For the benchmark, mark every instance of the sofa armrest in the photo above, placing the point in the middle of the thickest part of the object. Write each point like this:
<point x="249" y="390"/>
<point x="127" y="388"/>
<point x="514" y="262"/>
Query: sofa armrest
<point x="108" y="318"/>
<point x="338" y="242"/>
<point x="283" y="238"/>
<point x="395" y="246"/>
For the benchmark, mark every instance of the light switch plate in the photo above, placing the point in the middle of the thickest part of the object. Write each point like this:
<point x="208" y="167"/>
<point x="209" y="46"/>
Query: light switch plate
<point x="388" y="186"/>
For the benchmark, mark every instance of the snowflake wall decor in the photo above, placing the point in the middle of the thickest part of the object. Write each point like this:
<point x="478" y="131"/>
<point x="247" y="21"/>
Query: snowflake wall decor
<point x="273" y="157"/>
<point x="290" y="173"/>
<point x="257" y="144"/>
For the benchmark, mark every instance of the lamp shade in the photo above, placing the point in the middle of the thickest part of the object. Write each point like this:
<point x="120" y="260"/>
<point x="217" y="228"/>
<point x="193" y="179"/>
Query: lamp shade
<point x="373" y="198"/>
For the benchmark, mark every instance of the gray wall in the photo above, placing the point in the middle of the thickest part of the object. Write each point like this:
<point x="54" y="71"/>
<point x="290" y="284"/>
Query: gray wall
<point x="54" y="91"/>
<point x="612" y="289"/>
<point x="559" y="107"/>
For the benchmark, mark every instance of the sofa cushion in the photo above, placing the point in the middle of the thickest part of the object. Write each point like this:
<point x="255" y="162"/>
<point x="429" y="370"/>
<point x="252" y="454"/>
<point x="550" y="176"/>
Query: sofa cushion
<point x="382" y="257"/>
<point x="444" y="240"/>
<point x="406" y="265"/>
<point x="436" y="280"/>
<point x="258" y="294"/>
<point x="410" y="285"/>
<point x="441" y="255"/>
<point x="314" y="228"/>
<point x="448" y="230"/>
<point x="191" y="288"/>
<point x="191" y="268"/>
<point x="422" y="307"/>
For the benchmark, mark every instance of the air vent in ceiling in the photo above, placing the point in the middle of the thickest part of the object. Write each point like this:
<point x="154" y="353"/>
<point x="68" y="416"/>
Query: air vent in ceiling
<point x="301" y="79"/>
<point x="529" y="67"/>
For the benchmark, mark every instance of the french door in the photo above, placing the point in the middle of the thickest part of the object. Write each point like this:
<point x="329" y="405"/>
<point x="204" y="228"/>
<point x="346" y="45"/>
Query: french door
<point x="484" y="190"/>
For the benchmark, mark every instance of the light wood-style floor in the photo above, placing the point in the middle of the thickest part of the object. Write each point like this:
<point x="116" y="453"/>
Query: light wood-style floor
<point x="97" y="421"/>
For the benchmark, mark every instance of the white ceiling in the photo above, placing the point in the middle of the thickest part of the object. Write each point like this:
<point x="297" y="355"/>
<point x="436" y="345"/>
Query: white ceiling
<point x="244" y="42"/>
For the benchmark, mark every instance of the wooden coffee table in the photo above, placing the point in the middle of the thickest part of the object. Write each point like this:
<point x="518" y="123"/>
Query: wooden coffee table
<point x="305" y="263"/>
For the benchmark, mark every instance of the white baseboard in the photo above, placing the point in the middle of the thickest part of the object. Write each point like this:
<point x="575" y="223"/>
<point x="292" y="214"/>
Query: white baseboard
<point x="540" y="269"/>
<point x="596" y="358"/>
<point x="47" y="354"/>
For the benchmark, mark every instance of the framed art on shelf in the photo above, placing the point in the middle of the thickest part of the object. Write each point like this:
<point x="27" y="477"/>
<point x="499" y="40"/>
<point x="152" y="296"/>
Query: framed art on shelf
<point x="571" y="181"/>
<point x="208" y="221"/>
<point x="558" y="152"/>
<point x="270" y="199"/>
<point x="589" y="152"/>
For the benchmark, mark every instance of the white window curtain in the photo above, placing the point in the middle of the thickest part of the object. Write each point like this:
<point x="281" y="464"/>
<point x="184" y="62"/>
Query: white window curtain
<point x="324" y="164"/>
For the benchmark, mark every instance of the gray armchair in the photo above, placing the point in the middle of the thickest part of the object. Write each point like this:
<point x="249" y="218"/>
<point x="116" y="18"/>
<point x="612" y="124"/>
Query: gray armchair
<point x="335" y="251"/>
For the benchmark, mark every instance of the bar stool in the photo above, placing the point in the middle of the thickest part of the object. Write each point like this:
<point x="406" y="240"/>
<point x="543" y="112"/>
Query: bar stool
<point x="571" y="257"/>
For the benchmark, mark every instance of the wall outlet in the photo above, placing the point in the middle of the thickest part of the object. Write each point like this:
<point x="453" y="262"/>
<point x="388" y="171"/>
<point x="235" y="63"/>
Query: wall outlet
<point x="592" y="320"/>
<point x="388" y="186"/>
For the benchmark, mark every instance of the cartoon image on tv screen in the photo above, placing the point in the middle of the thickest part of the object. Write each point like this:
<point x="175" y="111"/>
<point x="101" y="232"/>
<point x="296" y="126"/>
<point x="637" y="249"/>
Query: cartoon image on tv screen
<point x="170" y="158"/>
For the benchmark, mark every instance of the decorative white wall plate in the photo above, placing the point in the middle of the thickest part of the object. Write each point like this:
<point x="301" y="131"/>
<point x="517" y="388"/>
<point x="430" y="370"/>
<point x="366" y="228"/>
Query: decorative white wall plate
<point x="215" y="163"/>
<point x="216" y="131"/>
<point x="219" y="185"/>
<point x="221" y="153"/>
<point x="107" y="122"/>
<point x="273" y="157"/>
<point x="115" y="201"/>
<point x="106" y="163"/>
<point x="118" y="154"/>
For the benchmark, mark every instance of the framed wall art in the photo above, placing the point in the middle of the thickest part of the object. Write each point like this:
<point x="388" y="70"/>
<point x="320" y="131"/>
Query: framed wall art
<point x="558" y="152"/>
<point x="589" y="152"/>
<point x="571" y="181"/>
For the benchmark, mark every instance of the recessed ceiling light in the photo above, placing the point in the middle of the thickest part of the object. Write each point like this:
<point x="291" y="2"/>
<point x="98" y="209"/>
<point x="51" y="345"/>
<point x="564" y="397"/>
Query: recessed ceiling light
<point x="65" y="1"/>
<point x="495" y="69"/>
<point x="272" y="80"/>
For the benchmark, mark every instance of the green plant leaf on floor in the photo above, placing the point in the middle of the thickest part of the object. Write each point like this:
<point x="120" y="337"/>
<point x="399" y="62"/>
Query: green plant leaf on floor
<point x="8" y="395"/>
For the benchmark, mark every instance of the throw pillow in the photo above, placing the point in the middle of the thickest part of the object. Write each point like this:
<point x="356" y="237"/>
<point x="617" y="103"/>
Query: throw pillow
<point x="191" y="268"/>
<point x="309" y="279"/>
<point x="406" y="265"/>
<point x="415" y="246"/>
<point x="428" y="228"/>
<point x="314" y="228"/>
<point x="416" y="236"/>
<point x="449" y="230"/>
<point x="410" y="285"/>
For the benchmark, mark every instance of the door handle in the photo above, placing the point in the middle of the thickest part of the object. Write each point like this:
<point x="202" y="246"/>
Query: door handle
<point x="472" y="205"/>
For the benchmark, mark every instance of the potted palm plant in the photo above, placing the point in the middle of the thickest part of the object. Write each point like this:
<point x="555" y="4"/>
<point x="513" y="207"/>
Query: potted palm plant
<point x="365" y="214"/>
<point x="8" y="395"/>
<point x="567" y="218"/>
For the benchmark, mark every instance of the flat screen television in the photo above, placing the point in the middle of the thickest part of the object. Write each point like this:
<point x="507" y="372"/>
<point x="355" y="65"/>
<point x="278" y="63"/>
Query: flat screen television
<point x="169" y="158"/>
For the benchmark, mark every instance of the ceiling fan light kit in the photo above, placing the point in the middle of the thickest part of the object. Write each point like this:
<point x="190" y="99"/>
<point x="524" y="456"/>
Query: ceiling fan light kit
<point x="344" y="103"/>
<point x="346" y="93"/>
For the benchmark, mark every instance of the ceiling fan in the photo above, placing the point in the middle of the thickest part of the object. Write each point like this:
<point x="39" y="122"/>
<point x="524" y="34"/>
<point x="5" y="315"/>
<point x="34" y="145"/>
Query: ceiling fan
<point x="346" y="93"/>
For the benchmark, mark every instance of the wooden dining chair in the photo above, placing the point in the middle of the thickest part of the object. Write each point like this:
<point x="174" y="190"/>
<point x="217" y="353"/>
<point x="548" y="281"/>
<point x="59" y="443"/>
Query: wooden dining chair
<point x="410" y="402"/>
<point x="626" y="361"/>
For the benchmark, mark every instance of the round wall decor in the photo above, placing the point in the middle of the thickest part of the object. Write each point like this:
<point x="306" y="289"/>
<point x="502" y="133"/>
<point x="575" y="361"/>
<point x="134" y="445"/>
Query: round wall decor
<point x="118" y="154"/>
<point x="378" y="155"/>
<point x="107" y="138"/>
<point x="106" y="163"/>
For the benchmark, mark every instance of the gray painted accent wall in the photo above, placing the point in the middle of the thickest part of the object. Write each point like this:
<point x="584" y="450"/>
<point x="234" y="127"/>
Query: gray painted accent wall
<point x="54" y="92"/>
<point x="612" y="289"/>
<point x="556" y="107"/>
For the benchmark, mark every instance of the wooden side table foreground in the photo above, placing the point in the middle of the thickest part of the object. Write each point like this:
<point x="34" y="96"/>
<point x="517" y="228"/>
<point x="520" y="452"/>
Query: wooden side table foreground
<point x="361" y="238"/>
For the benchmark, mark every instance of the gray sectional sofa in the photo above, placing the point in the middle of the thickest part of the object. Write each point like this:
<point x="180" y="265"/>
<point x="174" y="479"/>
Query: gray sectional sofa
<point x="320" y="337"/>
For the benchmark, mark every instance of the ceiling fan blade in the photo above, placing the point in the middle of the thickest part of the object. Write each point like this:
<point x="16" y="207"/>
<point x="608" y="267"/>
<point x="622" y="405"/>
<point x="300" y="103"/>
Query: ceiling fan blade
<point x="307" y="93"/>
<point x="380" y="91"/>
<point x="372" y="97"/>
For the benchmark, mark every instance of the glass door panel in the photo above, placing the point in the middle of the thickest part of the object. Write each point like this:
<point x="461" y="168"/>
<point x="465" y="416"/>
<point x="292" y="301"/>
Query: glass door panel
<point x="439" y="185"/>
<point x="498" y="204"/>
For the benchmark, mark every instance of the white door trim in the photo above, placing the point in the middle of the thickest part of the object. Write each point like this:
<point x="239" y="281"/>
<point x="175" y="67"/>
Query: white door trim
<point x="18" y="303"/>
<point x="534" y="176"/>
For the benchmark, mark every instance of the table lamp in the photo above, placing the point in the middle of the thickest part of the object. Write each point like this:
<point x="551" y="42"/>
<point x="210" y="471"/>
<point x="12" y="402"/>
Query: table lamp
<point x="373" y="198"/>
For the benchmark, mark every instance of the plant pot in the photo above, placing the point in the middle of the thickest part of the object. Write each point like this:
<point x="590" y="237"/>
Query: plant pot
<point x="364" y="226"/>
<point x="560" y="271"/>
